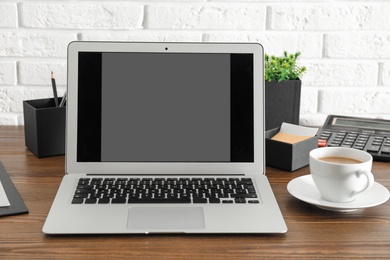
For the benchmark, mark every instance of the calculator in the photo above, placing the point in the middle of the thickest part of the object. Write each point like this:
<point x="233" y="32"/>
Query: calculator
<point x="370" y="135"/>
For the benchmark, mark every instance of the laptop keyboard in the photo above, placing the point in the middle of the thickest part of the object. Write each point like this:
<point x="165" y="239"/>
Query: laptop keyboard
<point x="164" y="190"/>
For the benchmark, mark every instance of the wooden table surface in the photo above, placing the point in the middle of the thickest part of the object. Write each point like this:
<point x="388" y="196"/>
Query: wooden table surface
<point x="313" y="232"/>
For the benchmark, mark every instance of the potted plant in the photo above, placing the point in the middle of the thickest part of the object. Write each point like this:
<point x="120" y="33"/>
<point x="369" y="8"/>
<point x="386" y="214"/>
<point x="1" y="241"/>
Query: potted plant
<point x="282" y="89"/>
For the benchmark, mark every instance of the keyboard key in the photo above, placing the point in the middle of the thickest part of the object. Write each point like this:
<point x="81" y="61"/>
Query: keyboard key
<point x="90" y="201"/>
<point x="214" y="200"/>
<point x="104" y="201"/>
<point x="118" y="201"/>
<point x="77" y="201"/>
<point x="83" y="195"/>
<point x="243" y="195"/>
<point x="199" y="200"/>
<point x="239" y="200"/>
<point x="148" y="201"/>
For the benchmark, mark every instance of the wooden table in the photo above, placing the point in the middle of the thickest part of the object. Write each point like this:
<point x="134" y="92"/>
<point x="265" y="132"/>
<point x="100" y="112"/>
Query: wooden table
<point x="312" y="233"/>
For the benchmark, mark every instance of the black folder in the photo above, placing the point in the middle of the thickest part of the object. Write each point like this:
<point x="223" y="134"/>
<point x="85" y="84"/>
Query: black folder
<point x="17" y="204"/>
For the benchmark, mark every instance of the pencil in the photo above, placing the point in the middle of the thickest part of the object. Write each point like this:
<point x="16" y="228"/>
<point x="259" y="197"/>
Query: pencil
<point x="63" y="99"/>
<point x="53" y="84"/>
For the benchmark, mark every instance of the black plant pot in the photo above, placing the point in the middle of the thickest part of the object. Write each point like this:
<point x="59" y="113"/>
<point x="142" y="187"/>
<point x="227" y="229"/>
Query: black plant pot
<point x="282" y="103"/>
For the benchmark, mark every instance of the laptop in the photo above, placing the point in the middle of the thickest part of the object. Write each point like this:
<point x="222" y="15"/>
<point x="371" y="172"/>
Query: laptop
<point x="164" y="138"/>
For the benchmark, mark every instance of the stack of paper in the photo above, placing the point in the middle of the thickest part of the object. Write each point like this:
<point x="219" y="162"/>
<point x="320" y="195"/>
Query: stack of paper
<point x="3" y="197"/>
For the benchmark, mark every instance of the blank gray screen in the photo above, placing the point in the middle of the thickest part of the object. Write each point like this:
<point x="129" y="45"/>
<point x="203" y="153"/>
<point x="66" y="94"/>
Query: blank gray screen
<point x="159" y="107"/>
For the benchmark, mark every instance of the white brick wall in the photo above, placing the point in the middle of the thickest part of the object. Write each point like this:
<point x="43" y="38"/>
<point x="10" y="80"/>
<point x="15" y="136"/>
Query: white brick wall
<point x="345" y="44"/>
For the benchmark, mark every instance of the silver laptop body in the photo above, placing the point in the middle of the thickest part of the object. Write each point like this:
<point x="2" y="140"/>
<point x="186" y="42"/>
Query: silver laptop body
<point x="177" y="111"/>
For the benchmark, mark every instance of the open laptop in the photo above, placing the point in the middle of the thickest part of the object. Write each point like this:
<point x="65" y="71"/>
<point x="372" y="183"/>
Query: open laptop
<point x="165" y="138"/>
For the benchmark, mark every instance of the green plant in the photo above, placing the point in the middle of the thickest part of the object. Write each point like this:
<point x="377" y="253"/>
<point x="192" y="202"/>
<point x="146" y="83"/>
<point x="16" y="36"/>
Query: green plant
<point x="283" y="68"/>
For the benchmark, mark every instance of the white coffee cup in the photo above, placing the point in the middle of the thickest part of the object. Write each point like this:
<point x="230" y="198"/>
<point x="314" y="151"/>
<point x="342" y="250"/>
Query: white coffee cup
<point x="337" y="179"/>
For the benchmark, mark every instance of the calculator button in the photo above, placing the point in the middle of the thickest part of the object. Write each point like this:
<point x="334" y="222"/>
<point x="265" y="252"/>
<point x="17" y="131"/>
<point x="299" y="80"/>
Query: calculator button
<point x="385" y="150"/>
<point x="373" y="148"/>
<point x="321" y="143"/>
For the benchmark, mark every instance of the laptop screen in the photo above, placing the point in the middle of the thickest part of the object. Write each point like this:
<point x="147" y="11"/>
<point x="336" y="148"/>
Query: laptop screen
<point x="165" y="107"/>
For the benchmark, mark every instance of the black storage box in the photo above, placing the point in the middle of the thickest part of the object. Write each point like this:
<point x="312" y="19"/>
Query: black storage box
<point x="44" y="127"/>
<point x="282" y="103"/>
<point x="285" y="156"/>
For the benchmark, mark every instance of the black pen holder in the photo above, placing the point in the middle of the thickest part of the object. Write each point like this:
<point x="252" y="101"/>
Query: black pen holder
<point x="44" y="127"/>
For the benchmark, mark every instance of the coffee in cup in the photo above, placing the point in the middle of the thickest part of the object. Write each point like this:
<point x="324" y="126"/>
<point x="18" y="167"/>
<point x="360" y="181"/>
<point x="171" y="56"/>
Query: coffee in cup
<point x="341" y="174"/>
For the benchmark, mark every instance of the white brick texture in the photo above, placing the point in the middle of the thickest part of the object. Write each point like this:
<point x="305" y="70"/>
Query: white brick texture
<point x="274" y="43"/>
<point x="340" y="73"/>
<point x="9" y="16"/>
<point x="357" y="45"/>
<point x="364" y="101"/>
<point x="7" y="73"/>
<point x="82" y="15"/>
<point x="206" y="16"/>
<point x="345" y="45"/>
<point x="39" y="73"/>
<point x="330" y="16"/>
<point x="385" y="76"/>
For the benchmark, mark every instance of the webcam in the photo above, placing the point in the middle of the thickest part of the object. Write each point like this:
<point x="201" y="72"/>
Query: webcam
<point x="166" y="48"/>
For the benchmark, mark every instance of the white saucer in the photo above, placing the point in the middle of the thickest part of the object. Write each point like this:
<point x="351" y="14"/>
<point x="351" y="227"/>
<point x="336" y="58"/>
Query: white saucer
<point x="303" y="188"/>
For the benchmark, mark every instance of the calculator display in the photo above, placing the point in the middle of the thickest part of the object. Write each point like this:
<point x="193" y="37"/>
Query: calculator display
<point x="361" y="123"/>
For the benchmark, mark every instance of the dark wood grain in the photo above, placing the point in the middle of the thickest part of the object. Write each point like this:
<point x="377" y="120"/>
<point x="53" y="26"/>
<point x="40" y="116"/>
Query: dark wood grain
<point x="313" y="232"/>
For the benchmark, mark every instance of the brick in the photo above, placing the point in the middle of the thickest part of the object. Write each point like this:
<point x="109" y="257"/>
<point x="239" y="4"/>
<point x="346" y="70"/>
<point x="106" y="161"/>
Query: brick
<point x="315" y="120"/>
<point x="143" y="36"/>
<point x="385" y="74"/>
<point x="7" y="73"/>
<point x="35" y="44"/>
<point x="330" y="16"/>
<point x="357" y="45"/>
<point x="309" y="44"/>
<point x="309" y="100"/>
<point x="209" y="16"/>
<point x="11" y="98"/>
<point x="114" y="15"/>
<point x="340" y="73"/>
<point x="38" y="73"/>
<point x="10" y="119"/>
<point x="8" y="15"/>
<point x="354" y="101"/>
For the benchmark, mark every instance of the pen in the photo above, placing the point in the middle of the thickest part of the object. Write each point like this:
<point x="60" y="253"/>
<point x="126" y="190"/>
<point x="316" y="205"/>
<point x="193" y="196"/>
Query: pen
<point x="64" y="99"/>
<point x="53" y="84"/>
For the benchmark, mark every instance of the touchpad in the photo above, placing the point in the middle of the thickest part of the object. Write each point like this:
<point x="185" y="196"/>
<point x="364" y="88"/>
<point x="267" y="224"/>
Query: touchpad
<point x="163" y="218"/>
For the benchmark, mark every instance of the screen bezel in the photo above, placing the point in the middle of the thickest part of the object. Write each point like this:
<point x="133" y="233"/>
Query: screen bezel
<point x="72" y="166"/>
